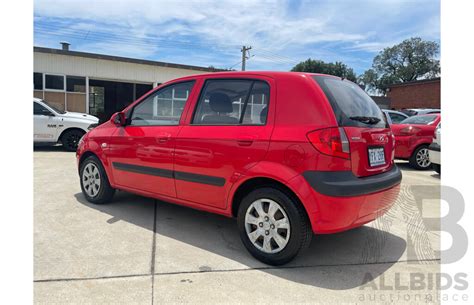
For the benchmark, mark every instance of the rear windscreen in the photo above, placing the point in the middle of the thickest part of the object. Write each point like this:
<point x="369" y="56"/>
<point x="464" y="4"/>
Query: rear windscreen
<point x="351" y="105"/>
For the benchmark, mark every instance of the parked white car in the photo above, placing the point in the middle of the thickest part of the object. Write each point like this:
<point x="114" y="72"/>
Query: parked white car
<point x="434" y="150"/>
<point x="52" y="125"/>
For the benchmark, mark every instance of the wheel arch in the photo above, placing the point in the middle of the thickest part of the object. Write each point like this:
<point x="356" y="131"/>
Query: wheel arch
<point x="258" y="182"/>
<point x="86" y="155"/>
<point x="60" y="138"/>
<point x="418" y="145"/>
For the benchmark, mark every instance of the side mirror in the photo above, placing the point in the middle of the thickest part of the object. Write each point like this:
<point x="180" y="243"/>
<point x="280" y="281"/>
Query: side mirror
<point x="118" y="119"/>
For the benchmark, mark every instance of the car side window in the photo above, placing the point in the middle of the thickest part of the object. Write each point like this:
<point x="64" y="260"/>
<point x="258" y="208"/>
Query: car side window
<point x="396" y="118"/>
<point x="40" y="110"/>
<point x="232" y="102"/>
<point x="164" y="107"/>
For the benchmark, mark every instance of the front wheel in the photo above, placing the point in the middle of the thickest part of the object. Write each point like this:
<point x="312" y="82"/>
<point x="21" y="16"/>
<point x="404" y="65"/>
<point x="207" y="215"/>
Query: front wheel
<point x="94" y="182"/>
<point x="273" y="226"/>
<point x="70" y="139"/>
<point x="420" y="159"/>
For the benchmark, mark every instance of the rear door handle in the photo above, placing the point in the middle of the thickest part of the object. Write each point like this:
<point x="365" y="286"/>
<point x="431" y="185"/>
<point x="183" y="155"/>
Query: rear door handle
<point x="245" y="141"/>
<point x="163" y="138"/>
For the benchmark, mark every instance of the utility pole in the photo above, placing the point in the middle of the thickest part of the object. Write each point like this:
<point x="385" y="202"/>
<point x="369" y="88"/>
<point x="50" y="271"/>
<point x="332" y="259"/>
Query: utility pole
<point x="244" y="51"/>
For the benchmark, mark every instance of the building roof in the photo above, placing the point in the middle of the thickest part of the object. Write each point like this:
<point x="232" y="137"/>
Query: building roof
<point x="123" y="59"/>
<point x="416" y="82"/>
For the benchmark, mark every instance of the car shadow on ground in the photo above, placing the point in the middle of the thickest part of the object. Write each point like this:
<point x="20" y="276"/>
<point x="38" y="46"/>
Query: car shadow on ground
<point x="405" y="166"/>
<point x="343" y="259"/>
<point x="49" y="148"/>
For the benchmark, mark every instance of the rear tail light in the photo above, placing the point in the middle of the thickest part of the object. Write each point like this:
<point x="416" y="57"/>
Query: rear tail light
<point x="410" y="130"/>
<point x="331" y="141"/>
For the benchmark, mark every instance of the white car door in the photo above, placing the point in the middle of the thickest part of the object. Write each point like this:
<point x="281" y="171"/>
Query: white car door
<point x="45" y="124"/>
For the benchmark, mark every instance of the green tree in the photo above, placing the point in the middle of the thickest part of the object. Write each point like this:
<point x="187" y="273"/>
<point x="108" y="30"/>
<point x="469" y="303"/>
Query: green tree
<point x="319" y="66"/>
<point x="409" y="60"/>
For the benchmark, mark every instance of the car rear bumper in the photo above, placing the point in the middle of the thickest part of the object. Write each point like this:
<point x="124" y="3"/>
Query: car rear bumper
<point x="345" y="184"/>
<point x="345" y="202"/>
<point x="435" y="153"/>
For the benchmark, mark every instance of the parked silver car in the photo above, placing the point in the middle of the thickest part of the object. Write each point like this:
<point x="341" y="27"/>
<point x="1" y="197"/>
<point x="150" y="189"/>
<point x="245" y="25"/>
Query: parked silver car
<point x="418" y="111"/>
<point x="394" y="117"/>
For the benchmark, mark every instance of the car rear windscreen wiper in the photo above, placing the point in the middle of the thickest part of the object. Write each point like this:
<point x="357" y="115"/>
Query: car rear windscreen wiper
<point x="365" y="119"/>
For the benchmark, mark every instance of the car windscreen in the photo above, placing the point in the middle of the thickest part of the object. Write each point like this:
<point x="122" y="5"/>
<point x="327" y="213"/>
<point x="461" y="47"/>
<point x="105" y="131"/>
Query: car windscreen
<point x="53" y="107"/>
<point x="351" y="105"/>
<point x="420" y="119"/>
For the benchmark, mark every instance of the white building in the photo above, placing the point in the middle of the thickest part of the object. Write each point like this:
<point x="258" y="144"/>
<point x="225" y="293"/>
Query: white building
<point x="98" y="84"/>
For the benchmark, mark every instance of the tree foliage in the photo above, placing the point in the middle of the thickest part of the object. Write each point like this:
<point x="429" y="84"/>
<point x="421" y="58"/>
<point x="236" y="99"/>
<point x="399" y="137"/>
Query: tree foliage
<point x="319" y="66"/>
<point x="410" y="60"/>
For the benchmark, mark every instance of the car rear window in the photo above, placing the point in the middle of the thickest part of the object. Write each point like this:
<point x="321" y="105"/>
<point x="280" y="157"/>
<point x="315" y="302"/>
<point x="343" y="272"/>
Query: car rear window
<point x="350" y="103"/>
<point x="420" y="119"/>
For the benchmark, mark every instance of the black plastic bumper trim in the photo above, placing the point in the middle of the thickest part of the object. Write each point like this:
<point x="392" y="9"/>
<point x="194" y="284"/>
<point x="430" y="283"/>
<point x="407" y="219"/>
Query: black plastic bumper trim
<point x="345" y="184"/>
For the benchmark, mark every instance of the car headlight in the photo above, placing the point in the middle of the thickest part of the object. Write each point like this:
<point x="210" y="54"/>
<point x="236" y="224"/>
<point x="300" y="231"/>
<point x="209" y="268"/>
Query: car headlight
<point x="92" y="126"/>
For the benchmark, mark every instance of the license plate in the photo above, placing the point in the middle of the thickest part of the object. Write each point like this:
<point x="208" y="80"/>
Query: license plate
<point x="376" y="156"/>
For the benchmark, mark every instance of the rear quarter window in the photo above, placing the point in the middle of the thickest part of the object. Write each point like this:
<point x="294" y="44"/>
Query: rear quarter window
<point x="349" y="101"/>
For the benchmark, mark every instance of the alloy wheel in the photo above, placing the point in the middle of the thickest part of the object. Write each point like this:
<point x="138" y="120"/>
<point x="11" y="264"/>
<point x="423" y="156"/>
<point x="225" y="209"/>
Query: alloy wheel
<point x="267" y="225"/>
<point x="91" y="179"/>
<point x="423" y="158"/>
<point x="73" y="140"/>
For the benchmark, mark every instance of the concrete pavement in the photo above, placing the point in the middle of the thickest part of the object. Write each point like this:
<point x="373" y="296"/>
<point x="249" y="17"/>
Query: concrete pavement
<point x="138" y="250"/>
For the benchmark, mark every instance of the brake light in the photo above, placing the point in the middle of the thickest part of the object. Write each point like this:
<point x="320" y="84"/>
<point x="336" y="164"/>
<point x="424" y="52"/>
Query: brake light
<point x="410" y="130"/>
<point x="331" y="141"/>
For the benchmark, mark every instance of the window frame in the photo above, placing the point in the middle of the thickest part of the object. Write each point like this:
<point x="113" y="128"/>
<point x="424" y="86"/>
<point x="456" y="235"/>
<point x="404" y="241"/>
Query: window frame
<point x="42" y="81"/>
<point x="130" y="111"/>
<point x="54" y="90"/>
<point x="252" y="80"/>
<point x="73" y="76"/>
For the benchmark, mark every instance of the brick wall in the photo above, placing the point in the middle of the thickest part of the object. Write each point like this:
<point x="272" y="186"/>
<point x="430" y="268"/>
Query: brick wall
<point x="420" y="94"/>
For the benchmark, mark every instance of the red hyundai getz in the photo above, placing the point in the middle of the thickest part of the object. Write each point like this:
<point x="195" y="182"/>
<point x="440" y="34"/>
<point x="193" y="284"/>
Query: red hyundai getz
<point x="288" y="154"/>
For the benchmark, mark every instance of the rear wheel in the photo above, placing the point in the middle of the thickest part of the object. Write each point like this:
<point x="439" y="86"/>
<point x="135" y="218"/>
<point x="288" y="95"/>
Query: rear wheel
<point x="94" y="182"/>
<point x="70" y="139"/>
<point x="273" y="226"/>
<point x="420" y="158"/>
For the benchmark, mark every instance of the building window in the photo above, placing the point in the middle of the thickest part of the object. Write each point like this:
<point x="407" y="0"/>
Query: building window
<point x="75" y="84"/>
<point x="38" y="81"/>
<point x="54" y="82"/>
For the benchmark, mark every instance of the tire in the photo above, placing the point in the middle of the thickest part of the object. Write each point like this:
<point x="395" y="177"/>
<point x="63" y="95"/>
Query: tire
<point x="70" y="139"/>
<point x="437" y="168"/>
<point x="292" y="240"/>
<point x="420" y="158"/>
<point x="94" y="181"/>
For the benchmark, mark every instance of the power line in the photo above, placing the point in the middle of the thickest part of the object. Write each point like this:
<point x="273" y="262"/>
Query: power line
<point x="147" y="41"/>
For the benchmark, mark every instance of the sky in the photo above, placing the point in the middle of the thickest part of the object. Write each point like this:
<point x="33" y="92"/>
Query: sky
<point x="211" y="33"/>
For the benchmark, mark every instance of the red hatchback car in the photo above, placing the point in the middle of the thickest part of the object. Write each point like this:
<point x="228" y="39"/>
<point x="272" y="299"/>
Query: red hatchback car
<point x="413" y="136"/>
<point x="287" y="154"/>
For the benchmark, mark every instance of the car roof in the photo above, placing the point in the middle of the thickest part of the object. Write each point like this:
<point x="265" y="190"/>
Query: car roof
<point x="394" y="111"/>
<point x="426" y="114"/>
<point x="422" y="109"/>
<point x="271" y="74"/>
